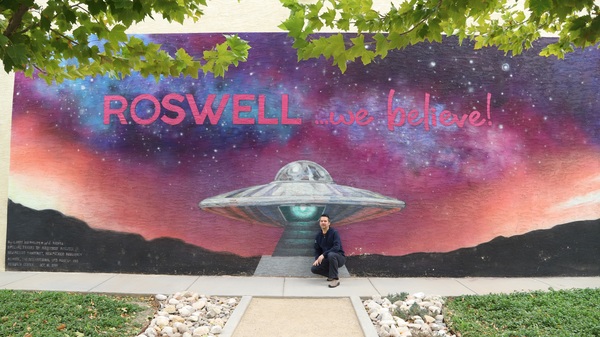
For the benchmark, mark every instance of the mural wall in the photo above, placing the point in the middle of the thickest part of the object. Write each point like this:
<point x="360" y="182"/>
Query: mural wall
<point x="437" y="161"/>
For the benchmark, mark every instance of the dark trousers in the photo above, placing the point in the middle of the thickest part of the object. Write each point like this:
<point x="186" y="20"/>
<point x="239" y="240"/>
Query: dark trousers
<point x="330" y="265"/>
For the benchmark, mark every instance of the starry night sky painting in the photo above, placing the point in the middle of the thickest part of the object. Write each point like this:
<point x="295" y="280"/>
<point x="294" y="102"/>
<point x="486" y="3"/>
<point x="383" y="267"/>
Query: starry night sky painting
<point x="478" y="144"/>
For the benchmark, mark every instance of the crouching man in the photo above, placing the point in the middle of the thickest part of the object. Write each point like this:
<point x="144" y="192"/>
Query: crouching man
<point x="329" y="254"/>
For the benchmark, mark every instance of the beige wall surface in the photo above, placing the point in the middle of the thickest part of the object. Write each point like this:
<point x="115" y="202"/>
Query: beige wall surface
<point x="224" y="16"/>
<point x="6" y="93"/>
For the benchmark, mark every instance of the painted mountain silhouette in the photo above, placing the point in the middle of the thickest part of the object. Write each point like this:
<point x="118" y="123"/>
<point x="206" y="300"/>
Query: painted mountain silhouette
<point x="571" y="249"/>
<point x="50" y="241"/>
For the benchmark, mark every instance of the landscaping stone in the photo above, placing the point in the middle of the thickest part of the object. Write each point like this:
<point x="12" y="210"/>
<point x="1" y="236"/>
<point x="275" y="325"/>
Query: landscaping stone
<point x="418" y="315"/>
<point x="190" y="315"/>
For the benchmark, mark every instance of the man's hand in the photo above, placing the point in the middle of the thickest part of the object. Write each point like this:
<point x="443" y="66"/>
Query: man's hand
<point x="318" y="260"/>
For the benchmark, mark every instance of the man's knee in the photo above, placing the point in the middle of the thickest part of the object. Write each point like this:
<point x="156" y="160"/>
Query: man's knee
<point x="333" y="256"/>
<point x="340" y="259"/>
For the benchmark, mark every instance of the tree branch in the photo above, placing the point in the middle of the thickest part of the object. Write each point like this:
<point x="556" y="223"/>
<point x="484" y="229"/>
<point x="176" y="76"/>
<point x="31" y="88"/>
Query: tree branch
<point x="64" y="36"/>
<point x="16" y="19"/>
<point x="437" y="7"/>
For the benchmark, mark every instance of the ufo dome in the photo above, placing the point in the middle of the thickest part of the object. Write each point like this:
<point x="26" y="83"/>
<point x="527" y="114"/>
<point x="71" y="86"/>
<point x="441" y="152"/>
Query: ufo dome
<point x="303" y="170"/>
<point x="301" y="192"/>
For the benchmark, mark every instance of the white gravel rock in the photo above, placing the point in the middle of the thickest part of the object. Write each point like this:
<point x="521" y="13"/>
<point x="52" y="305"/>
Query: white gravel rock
<point x="167" y="330"/>
<point x="216" y="330"/>
<point x="419" y="295"/>
<point x="188" y="314"/>
<point x="162" y="321"/>
<point x="434" y="309"/>
<point x="170" y="309"/>
<point x="201" y="331"/>
<point x="426" y="319"/>
<point x="394" y="331"/>
<point x="201" y="303"/>
<point x="150" y="332"/>
<point x="185" y="312"/>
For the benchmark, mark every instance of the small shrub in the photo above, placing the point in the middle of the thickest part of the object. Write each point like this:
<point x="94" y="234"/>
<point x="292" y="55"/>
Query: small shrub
<point x="414" y="310"/>
<point x="395" y="297"/>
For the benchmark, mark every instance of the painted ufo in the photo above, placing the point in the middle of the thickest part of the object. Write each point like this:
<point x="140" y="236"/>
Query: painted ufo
<point x="301" y="192"/>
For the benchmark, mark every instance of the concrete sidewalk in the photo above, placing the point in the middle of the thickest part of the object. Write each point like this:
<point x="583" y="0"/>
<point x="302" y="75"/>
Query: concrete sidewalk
<point x="281" y="286"/>
<point x="289" y="297"/>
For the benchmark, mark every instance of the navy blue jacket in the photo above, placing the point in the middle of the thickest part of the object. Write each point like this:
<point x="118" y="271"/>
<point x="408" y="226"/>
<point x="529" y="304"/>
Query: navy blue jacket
<point x="328" y="242"/>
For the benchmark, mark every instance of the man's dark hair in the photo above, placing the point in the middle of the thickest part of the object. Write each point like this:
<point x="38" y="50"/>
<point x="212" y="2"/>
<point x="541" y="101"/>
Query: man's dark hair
<point x="325" y="215"/>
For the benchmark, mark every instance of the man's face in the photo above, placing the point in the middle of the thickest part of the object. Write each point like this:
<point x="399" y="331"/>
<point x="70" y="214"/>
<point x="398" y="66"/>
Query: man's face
<point x="324" y="223"/>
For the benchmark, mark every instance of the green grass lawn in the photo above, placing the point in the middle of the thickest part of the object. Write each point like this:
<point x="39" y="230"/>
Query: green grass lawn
<point x="61" y="314"/>
<point x="561" y="313"/>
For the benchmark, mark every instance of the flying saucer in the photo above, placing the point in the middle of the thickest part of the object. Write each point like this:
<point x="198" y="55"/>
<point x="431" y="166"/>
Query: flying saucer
<point x="301" y="192"/>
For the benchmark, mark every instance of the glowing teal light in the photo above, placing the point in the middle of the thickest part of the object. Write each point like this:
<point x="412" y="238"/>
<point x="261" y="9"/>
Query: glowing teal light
<point x="304" y="212"/>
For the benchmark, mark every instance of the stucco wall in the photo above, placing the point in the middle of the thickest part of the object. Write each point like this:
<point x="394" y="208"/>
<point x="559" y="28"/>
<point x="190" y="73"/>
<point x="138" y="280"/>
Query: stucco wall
<point x="493" y="179"/>
<point x="6" y="93"/>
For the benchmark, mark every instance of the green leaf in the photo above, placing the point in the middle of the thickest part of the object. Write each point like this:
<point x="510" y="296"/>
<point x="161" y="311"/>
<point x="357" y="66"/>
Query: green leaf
<point x="117" y="34"/>
<point x="45" y="22"/>
<point x="367" y="57"/>
<point x="294" y="24"/>
<point x="43" y="38"/>
<point x="579" y="23"/>
<point x="69" y="14"/>
<point x="17" y="54"/>
<point x="81" y="34"/>
<point x="182" y="55"/>
<point x="382" y="45"/>
<point x="358" y="46"/>
<point x="340" y="60"/>
<point x="397" y="41"/>
<point x="335" y="46"/>
<point x="329" y="17"/>
<point x="423" y="31"/>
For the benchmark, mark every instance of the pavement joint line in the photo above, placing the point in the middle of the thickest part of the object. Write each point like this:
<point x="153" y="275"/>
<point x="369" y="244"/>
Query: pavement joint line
<point x="464" y="285"/>
<point x="283" y="287"/>
<point x="101" y="283"/>
<point x="192" y="283"/>
<point x="19" y="280"/>
<point x="544" y="282"/>
<point x="374" y="287"/>
<point x="364" y="320"/>
<point x="236" y="317"/>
